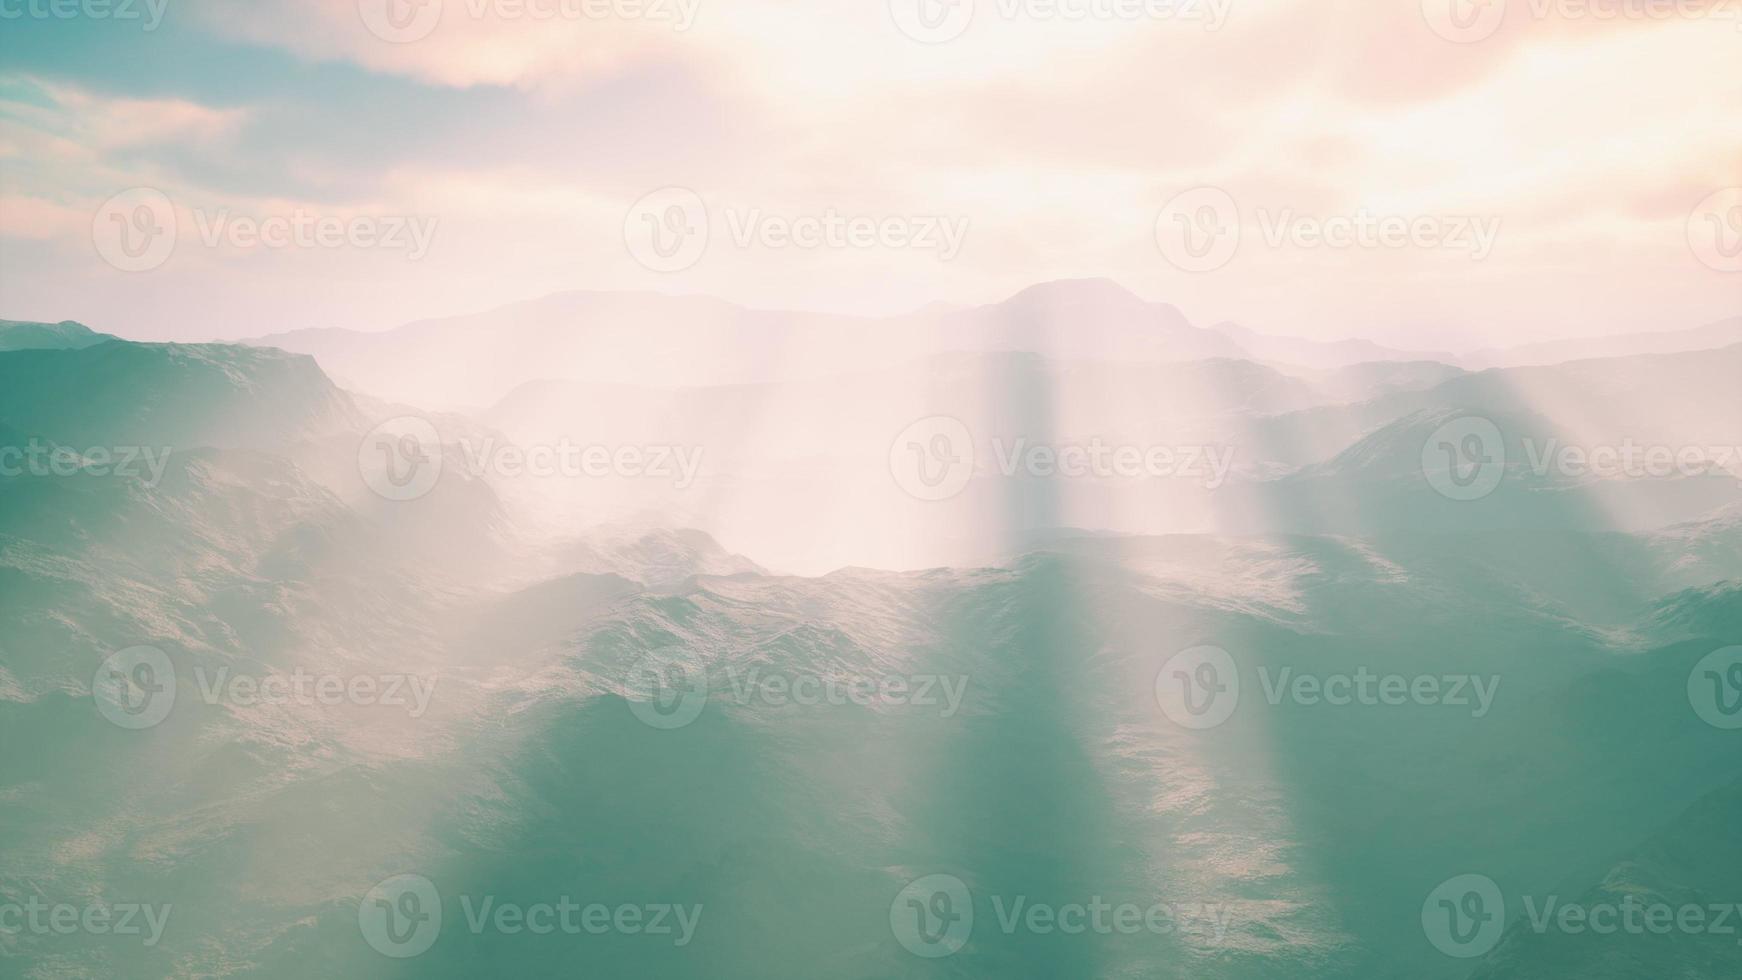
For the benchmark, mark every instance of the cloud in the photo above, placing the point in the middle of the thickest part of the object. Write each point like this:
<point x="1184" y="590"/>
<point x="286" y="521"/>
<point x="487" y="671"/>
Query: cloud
<point x="1057" y="140"/>
<point x="460" y="43"/>
<point x="57" y="120"/>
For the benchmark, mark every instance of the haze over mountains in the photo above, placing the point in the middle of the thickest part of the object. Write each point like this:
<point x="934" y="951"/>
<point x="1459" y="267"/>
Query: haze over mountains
<point x="1328" y="523"/>
<point x="628" y="338"/>
<point x="773" y="463"/>
<point x="792" y="415"/>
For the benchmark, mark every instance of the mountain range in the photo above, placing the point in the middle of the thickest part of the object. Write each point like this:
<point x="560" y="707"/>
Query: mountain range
<point x="1297" y="838"/>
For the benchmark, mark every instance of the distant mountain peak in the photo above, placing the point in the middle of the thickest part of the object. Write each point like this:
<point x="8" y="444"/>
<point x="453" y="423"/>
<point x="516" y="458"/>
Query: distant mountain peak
<point x="1096" y="291"/>
<point x="65" y="335"/>
<point x="181" y="395"/>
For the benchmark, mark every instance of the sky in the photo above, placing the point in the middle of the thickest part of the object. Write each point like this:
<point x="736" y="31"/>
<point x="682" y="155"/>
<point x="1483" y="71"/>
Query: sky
<point x="1431" y="174"/>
